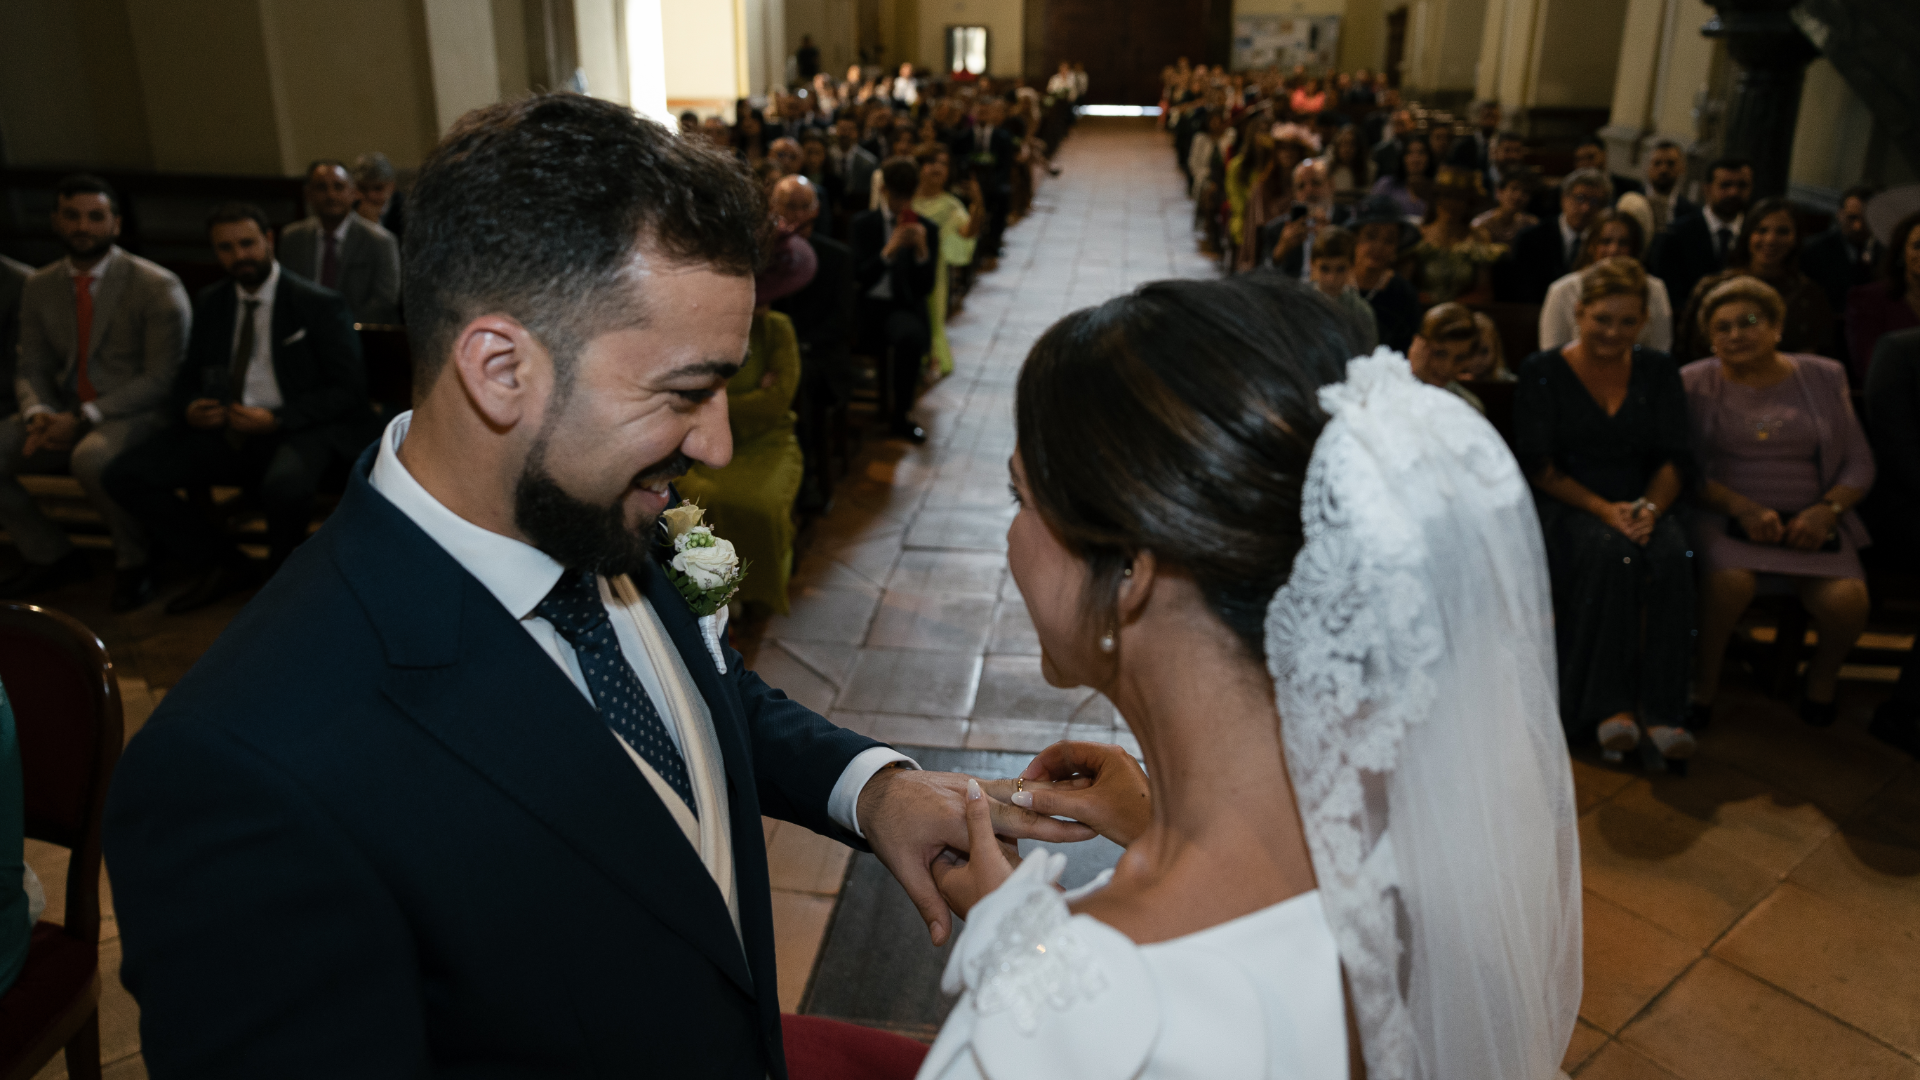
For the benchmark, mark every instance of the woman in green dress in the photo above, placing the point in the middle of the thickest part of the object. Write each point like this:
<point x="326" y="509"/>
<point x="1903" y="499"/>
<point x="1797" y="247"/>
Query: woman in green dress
<point x="959" y="224"/>
<point x="750" y="502"/>
<point x="1454" y="260"/>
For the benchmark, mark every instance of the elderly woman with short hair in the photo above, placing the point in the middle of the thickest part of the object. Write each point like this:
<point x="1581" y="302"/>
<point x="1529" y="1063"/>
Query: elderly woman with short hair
<point x="1783" y="461"/>
<point x="1601" y="430"/>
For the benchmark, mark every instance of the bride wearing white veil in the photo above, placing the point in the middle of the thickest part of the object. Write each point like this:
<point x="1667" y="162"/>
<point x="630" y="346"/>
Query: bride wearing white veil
<point x="1316" y="590"/>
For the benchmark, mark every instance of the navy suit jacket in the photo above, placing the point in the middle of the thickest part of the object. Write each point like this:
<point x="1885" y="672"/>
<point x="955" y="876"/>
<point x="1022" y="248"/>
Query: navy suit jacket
<point x="1538" y="259"/>
<point x="315" y="350"/>
<point x="377" y="832"/>
<point x="1682" y="255"/>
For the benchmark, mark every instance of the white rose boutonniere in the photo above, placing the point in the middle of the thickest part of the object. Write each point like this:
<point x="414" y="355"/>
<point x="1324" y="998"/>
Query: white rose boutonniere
<point x="705" y="568"/>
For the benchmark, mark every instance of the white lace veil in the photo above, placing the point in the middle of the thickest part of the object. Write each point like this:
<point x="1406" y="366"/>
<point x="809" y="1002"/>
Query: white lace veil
<point x="1412" y="658"/>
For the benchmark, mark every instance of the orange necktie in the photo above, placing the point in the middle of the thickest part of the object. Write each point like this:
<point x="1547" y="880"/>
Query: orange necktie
<point x="83" y="310"/>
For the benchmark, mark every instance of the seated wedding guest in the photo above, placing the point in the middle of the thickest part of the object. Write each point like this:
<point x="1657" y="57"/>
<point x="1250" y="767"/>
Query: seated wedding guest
<point x="1252" y="176"/>
<point x="1610" y="235"/>
<point x="1473" y="151"/>
<point x="1591" y="153"/>
<point x="1410" y="180"/>
<point x="13" y="280"/>
<point x="1695" y="245"/>
<point x="1382" y="233"/>
<point x="1893" y="422"/>
<point x="102" y="332"/>
<point x="1287" y="241"/>
<point x="1845" y="255"/>
<point x="1892" y="303"/>
<point x="895" y="261"/>
<point x="378" y="197"/>
<point x="786" y="156"/>
<point x="1507" y="157"/>
<point x="1308" y="98"/>
<point x="1453" y="260"/>
<point x="1548" y="250"/>
<point x="813" y="166"/>
<point x="1349" y="169"/>
<point x="1399" y="134"/>
<point x="1783" y="461"/>
<point x="273" y="391"/>
<point x="822" y="316"/>
<point x="1666" y="167"/>
<point x="751" y="137"/>
<point x="851" y="164"/>
<point x="343" y="251"/>
<point x="1448" y="338"/>
<point x="959" y="223"/>
<point x="750" y="500"/>
<point x="1332" y="274"/>
<point x="1488" y="360"/>
<point x="1509" y="214"/>
<point x="1769" y="249"/>
<point x="1601" y="427"/>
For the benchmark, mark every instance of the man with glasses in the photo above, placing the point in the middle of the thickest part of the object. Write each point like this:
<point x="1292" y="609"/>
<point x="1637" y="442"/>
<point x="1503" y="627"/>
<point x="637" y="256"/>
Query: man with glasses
<point x="1545" y="252"/>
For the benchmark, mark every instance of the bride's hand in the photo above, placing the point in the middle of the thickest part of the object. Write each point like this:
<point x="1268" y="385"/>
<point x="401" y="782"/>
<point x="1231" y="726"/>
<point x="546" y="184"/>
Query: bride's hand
<point x="1096" y="784"/>
<point x="963" y="878"/>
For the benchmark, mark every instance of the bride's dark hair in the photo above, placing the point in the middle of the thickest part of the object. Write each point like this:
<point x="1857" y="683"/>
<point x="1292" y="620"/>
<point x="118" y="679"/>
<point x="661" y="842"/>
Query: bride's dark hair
<point x="1179" y="419"/>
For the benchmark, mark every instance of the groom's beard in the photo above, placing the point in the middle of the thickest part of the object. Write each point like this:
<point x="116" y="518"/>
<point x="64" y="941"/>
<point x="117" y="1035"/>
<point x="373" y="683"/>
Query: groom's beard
<point x="578" y="534"/>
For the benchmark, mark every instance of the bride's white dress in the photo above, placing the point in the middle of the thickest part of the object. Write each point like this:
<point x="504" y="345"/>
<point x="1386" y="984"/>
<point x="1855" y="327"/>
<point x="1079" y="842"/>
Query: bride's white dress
<point x="1049" y="994"/>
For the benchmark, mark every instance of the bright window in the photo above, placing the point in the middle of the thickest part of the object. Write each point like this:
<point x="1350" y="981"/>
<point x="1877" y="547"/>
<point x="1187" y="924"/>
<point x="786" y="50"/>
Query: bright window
<point x="967" y="49"/>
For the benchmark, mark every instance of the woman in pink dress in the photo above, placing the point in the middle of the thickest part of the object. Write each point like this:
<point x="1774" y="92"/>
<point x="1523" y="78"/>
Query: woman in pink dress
<point x="1783" y="461"/>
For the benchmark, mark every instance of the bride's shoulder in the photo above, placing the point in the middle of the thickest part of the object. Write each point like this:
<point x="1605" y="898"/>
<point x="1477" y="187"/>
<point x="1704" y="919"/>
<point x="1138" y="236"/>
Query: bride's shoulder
<point x="1048" y="993"/>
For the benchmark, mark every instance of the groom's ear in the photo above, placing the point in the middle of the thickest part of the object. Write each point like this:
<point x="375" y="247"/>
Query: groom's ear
<point x="1136" y="586"/>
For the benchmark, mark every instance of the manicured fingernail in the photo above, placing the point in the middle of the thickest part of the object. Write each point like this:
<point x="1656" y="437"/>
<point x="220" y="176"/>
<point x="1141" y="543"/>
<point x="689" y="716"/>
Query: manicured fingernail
<point x="1023" y="798"/>
<point x="973" y="789"/>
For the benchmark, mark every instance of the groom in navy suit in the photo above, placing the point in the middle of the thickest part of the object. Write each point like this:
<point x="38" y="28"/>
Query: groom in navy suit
<point x="464" y="791"/>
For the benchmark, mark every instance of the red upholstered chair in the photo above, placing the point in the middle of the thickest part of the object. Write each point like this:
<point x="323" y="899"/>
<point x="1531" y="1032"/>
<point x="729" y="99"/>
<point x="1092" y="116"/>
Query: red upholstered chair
<point x="66" y="706"/>
<point x="822" y="1049"/>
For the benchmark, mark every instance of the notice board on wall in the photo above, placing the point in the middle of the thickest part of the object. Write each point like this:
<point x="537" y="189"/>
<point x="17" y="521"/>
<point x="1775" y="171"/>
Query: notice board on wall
<point x="1285" y="41"/>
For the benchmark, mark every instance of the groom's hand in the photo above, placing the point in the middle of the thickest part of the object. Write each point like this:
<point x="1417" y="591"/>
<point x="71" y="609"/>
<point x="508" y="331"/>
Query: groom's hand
<point x="910" y="816"/>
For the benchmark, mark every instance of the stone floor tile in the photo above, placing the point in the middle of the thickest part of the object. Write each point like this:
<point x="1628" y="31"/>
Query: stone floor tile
<point x="1012" y="688"/>
<point x="944" y="732"/>
<point x="1719" y="1023"/>
<point x="785" y="673"/>
<point x="951" y="573"/>
<point x="1013" y="633"/>
<point x="1613" y="1061"/>
<point x="1862" y="970"/>
<point x="941" y="623"/>
<point x="119" y="1024"/>
<point x="962" y="530"/>
<point x="831" y="661"/>
<point x="1586" y="1040"/>
<point x="801" y="860"/>
<point x="1627" y="962"/>
<point x="799" y="925"/>
<point x="1766" y="740"/>
<point x="1668" y="872"/>
<point x="1024" y="736"/>
<point x="912" y="683"/>
<point x="1752" y="819"/>
<point x="838" y="613"/>
<point x="1880" y="880"/>
<point x="872" y="559"/>
<point x="1594" y="784"/>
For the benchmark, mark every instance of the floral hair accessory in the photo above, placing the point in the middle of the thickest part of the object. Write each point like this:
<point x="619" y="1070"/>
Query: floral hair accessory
<point x="705" y="568"/>
<point x="1297" y="133"/>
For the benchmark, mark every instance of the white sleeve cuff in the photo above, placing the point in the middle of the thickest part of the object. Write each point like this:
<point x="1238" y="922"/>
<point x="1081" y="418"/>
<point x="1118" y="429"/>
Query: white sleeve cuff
<point x="36" y="410"/>
<point x="844" y="803"/>
<point x="92" y="412"/>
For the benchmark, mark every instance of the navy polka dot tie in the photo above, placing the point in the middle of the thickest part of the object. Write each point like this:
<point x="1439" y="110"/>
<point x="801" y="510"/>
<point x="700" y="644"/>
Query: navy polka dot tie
<point x="574" y="609"/>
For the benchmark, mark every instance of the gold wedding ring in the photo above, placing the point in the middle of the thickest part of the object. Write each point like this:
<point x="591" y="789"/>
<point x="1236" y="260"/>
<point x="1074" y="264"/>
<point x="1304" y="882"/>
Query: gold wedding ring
<point x="1019" y="784"/>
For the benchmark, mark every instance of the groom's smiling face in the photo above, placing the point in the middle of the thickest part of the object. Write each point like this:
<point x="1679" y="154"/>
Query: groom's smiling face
<point x="638" y="407"/>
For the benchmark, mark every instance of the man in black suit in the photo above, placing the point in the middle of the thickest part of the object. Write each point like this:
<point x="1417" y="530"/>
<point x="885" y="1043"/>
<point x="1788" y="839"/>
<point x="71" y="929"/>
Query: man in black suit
<point x="986" y="150"/>
<point x="893" y="273"/>
<point x="1386" y="153"/>
<point x="1844" y="255"/>
<point x="272" y="391"/>
<point x="1286" y="242"/>
<point x="822" y="315"/>
<point x="1544" y="252"/>
<point x="1666" y="168"/>
<point x="469" y="762"/>
<point x="1592" y="154"/>
<point x="1475" y="152"/>
<point x="1698" y="245"/>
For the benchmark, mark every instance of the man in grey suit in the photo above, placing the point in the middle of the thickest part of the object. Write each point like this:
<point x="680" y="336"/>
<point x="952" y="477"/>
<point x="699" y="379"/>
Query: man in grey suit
<point x="342" y="250"/>
<point x="102" y="335"/>
<point x="13" y="277"/>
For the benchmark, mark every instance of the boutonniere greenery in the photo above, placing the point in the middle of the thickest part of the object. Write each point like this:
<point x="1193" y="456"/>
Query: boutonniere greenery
<point x="704" y="568"/>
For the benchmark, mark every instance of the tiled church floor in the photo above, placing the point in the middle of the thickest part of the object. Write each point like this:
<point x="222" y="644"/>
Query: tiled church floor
<point x="1759" y="918"/>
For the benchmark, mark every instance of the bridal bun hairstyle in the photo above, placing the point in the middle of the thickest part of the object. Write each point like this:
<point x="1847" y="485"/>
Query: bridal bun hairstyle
<point x="1179" y="419"/>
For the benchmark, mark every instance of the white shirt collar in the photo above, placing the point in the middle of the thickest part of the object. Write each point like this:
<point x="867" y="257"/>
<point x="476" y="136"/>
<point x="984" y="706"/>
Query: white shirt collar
<point x="340" y="230"/>
<point x="268" y="288"/>
<point x="518" y="575"/>
<point x="1569" y="236"/>
<point x="99" y="269"/>
<point x="1714" y="224"/>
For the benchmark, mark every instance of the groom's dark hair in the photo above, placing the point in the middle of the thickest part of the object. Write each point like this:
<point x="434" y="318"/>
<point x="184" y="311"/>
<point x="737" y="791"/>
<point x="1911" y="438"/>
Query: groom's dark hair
<point x="534" y="208"/>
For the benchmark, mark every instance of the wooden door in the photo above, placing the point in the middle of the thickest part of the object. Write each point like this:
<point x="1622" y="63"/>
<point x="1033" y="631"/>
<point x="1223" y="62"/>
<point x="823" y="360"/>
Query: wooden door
<point x="1125" y="43"/>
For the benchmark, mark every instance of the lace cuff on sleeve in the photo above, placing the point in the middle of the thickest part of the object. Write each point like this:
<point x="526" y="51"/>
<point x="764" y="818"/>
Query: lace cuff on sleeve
<point x="1048" y="994"/>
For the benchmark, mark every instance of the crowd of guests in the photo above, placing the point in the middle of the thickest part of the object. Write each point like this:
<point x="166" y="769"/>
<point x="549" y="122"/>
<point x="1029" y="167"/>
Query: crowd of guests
<point x="887" y="194"/>
<point x="1689" y="422"/>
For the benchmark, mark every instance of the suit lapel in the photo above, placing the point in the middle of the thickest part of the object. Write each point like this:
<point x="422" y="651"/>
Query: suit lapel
<point x="464" y="670"/>
<point x="106" y="300"/>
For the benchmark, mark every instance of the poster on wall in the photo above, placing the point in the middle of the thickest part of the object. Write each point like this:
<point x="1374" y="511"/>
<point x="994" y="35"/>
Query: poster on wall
<point x="1285" y="41"/>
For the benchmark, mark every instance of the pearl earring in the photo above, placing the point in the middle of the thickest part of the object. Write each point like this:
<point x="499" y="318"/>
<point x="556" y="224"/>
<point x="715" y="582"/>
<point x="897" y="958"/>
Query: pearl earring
<point x="1106" y="642"/>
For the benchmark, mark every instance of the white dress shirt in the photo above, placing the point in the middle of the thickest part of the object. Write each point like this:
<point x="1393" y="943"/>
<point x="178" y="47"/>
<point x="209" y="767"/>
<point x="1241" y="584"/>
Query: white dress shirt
<point x="520" y="576"/>
<point x="262" y="389"/>
<point x="1569" y="242"/>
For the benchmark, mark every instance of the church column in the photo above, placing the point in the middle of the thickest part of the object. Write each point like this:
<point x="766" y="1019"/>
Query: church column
<point x="1773" y="56"/>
